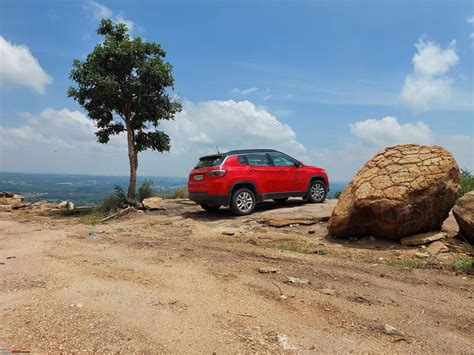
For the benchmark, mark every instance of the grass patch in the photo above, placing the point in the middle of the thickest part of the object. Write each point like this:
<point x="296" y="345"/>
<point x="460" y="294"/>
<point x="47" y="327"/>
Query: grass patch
<point x="294" y="247"/>
<point x="93" y="218"/>
<point x="321" y="251"/>
<point x="411" y="263"/>
<point x="302" y="249"/>
<point x="464" y="265"/>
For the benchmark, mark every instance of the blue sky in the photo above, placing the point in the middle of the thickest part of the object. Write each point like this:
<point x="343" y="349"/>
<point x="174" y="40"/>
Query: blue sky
<point x="328" y="82"/>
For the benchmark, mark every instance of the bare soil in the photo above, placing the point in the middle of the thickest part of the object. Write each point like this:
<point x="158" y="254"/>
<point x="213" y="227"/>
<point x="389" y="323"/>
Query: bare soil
<point x="184" y="280"/>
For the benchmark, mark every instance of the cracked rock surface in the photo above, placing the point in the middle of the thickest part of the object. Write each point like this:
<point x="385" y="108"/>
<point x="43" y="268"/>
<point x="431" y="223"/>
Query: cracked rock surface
<point x="403" y="190"/>
<point x="463" y="211"/>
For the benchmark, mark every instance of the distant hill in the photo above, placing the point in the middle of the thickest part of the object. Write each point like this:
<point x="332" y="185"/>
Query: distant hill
<point x="87" y="189"/>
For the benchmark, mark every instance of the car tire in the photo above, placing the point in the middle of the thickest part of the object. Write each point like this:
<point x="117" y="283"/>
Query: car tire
<point x="280" y="201"/>
<point x="243" y="202"/>
<point x="317" y="192"/>
<point x="210" y="208"/>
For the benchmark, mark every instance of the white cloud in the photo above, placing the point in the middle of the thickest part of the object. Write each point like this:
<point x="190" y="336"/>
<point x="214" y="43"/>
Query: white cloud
<point x="19" y="67"/>
<point x="58" y="141"/>
<point x="470" y="20"/>
<point x="63" y="141"/>
<point x="202" y="126"/>
<point x="244" y="91"/>
<point x="371" y="136"/>
<point x="387" y="131"/>
<point x="429" y="85"/>
<point x="101" y="11"/>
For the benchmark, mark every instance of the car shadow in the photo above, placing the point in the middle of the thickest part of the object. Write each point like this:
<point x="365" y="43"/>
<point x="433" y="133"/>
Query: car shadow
<point x="225" y="212"/>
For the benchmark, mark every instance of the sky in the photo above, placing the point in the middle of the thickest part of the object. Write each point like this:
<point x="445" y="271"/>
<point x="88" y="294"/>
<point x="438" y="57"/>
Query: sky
<point x="328" y="82"/>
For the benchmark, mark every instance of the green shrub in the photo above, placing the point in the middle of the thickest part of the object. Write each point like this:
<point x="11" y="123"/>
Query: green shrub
<point x="181" y="192"/>
<point x="337" y="194"/>
<point x="467" y="181"/>
<point x="146" y="190"/>
<point x="464" y="264"/>
<point x="112" y="202"/>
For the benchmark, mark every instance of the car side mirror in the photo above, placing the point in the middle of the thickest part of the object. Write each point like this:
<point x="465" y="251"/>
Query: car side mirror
<point x="298" y="164"/>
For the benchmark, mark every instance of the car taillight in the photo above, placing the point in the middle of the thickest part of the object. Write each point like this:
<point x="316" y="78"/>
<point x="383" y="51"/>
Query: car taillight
<point x="220" y="172"/>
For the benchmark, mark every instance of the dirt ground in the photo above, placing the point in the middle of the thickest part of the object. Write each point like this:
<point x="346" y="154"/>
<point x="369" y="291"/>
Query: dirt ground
<point x="183" y="280"/>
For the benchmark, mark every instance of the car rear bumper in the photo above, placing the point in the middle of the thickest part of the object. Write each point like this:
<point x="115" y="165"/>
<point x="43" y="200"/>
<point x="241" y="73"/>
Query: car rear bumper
<point x="204" y="197"/>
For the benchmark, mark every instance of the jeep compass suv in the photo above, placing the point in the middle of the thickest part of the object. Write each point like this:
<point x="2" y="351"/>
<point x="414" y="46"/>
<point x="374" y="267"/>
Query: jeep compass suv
<point x="242" y="178"/>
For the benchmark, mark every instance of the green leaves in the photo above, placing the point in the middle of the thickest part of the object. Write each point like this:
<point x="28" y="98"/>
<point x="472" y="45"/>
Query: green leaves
<point x="127" y="80"/>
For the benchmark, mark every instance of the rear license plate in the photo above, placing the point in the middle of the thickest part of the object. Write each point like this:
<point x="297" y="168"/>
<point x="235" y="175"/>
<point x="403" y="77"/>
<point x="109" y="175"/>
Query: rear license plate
<point x="198" y="177"/>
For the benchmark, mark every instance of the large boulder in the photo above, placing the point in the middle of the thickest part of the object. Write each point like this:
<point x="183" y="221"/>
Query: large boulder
<point x="463" y="211"/>
<point x="403" y="190"/>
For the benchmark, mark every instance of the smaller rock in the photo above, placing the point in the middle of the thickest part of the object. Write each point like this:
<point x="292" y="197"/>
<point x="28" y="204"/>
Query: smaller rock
<point x="388" y="329"/>
<point x="423" y="238"/>
<point x="436" y="248"/>
<point x="5" y="208"/>
<point x="66" y="204"/>
<point x="328" y="291"/>
<point x="372" y="238"/>
<point x="312" y="231"/>
<point x="284" y="343"/>
<point x="228" y="233"/>
<point x="153" y="203"/>
<point x="463" y="212"/>
<point x="297" y="280"/>
<point x="283" y="297"/>
<point x="462" y="249"/>
<point x="421" y="255"/>
<point x="267" y="270"/>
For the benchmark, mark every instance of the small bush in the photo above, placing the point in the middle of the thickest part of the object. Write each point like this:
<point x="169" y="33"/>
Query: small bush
<point x="464" y="264"/>
<point x="112" y="202"/>
<point x="182" y="192"/>
<point x="119" y="193"/>
<point x="467" y="181"/>
<point x="337" y="194"/>
<point x="321" y="251"/>
<point x="146" y="190"/>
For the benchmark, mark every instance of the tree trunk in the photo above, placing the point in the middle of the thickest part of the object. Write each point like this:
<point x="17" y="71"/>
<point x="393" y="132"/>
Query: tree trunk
<point x="133" y="159"/>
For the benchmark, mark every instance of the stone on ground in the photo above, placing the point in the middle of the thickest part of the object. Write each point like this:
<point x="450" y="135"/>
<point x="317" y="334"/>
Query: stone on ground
<point x="403" y="190"/>
<point x="423" y="238"/>
<point x="436" y="248"/>
<point x="463" y="211"/>
<point x="153" y="203"/>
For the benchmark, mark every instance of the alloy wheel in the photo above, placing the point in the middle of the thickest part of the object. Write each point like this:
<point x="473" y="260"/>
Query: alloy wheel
<point x="245" y="201"/>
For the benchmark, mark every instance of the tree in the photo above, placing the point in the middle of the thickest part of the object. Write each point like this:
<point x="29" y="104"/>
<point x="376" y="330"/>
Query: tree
<point x="124" y="85"/>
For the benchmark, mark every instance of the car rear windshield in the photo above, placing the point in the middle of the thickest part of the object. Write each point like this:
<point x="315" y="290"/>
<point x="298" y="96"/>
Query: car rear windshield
<point x="209" y="161"/>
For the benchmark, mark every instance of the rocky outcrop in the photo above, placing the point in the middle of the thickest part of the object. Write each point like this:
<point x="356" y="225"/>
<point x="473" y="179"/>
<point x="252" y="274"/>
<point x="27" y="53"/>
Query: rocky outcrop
<point x="403" y="190"/>
<point x="463" y="211"/>
<point x="8" y="198"/>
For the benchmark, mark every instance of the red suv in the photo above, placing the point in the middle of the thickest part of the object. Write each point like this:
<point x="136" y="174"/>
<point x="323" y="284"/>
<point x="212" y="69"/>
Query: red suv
<point x="242" y="178"/>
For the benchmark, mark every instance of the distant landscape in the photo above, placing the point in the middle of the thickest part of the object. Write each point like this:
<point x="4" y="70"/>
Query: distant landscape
<point x="88" y="189"/>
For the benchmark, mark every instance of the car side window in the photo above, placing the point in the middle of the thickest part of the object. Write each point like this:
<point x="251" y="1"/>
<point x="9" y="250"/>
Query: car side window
<point x="257" y="159"/>
<point x="242" y="159"/>
<point x="281" y="159"/>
